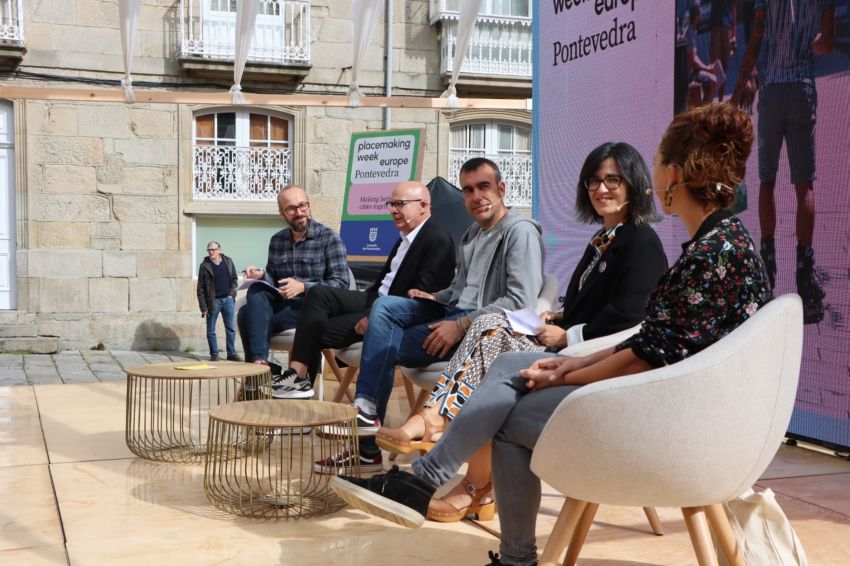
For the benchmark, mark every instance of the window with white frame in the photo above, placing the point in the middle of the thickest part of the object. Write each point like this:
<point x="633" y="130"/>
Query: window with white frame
<point x="241" y="155"/>
<point x="508" y="145"/>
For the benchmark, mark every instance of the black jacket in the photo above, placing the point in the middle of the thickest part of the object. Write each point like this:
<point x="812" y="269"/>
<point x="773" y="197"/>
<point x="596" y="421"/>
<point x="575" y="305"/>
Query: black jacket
<point x="614" y="296"/>
<point x="429" y="265"/>
<point x="206" y="282"/>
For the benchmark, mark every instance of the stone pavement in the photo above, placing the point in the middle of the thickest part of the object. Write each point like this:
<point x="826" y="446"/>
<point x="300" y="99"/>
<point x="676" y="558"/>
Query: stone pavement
<point x="77" y="366"/>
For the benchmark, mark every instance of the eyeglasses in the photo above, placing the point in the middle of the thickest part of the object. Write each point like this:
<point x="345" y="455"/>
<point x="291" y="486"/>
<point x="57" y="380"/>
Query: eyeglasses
<point x="396" y="204"/>
<point x="301" y="206"/>
<point x="612" y="183"/>
<point x="212" y="249"/>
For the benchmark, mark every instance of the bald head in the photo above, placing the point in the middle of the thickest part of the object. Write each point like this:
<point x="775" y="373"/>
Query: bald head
<point x="294" y="208"/>
<point x="411" y="205"/>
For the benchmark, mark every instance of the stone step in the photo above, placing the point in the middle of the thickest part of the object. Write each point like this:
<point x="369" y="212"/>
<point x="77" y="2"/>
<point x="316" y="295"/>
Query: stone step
<point x="18" y="330"/>
<point x="34" y="344"/>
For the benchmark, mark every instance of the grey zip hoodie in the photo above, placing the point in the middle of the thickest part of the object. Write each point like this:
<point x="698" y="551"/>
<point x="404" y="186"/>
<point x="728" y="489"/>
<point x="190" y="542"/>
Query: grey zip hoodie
<point x="514" y="269"/>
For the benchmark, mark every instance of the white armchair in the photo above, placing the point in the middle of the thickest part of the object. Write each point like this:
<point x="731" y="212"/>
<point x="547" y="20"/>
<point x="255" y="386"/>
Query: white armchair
<point x="691" y="435"/>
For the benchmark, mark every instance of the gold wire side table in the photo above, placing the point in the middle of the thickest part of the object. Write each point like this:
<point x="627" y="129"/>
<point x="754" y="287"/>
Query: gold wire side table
<point x="167" y="408"/>
<point x="278" y="480"/>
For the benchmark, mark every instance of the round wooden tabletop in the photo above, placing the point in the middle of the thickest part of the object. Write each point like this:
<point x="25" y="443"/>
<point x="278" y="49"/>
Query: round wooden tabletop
<point x="198" y="370"/>
<point x="282" y="413"/>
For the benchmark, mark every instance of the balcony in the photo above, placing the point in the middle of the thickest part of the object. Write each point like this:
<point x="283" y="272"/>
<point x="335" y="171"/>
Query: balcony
<point x="12" y="46"/>
<point x="281" y="37"/>
<point x="515" y="169"/>
<point x="500" y="46"/>
<point x="228" y="173"/>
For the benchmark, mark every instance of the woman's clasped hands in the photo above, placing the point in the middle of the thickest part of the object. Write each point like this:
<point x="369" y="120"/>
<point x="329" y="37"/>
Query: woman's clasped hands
<point x="549" y="372"/>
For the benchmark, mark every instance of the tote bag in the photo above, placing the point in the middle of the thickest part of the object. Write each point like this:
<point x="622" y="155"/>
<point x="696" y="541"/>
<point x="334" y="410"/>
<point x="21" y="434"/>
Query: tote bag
<point x="763" y="532"/>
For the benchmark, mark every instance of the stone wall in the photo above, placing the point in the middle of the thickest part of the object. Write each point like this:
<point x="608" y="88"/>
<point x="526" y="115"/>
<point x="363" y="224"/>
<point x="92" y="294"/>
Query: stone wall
<point x="105" y="210"/>
<point x="105" y="260"/>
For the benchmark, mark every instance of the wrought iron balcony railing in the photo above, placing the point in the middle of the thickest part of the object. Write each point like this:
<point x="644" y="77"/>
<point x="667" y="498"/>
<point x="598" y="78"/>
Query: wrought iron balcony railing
<point x="500" y="44"/>
<point x="281" y="32"/>
<point x="12" y="22"/>
<point x="223" y="172"/>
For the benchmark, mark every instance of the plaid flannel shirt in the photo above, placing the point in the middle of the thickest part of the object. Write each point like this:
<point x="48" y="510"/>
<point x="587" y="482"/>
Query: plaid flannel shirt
<point x="316" y="259"/>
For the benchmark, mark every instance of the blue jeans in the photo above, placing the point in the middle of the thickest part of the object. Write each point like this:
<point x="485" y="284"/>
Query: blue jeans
<point x="397" y="328"/>
<point x="265" y="313"/>
<point x="225" y="307"/>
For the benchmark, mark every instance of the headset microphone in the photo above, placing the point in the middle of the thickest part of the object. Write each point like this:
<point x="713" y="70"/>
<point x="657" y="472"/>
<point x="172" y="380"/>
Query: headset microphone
<point x="622" y="206"/>
<point x="648" y="191"/>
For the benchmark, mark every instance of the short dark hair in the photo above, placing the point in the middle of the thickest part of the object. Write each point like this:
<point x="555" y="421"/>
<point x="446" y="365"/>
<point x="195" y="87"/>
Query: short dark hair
<point x="635" y="174"/>
<point x="476" y="162"/>
<point x="711" y="143"/>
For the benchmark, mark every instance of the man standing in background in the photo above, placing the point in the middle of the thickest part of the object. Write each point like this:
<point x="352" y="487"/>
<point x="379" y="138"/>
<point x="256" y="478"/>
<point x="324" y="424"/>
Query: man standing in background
<point x="216" y="294"/>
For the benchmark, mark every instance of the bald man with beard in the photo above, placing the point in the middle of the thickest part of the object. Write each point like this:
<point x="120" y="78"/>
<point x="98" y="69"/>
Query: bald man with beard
<point x="302" y="256"/>
<point x="422" y="258"/>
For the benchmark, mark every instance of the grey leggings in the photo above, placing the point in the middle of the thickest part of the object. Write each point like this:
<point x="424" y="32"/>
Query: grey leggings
<point x="503" y="410"/>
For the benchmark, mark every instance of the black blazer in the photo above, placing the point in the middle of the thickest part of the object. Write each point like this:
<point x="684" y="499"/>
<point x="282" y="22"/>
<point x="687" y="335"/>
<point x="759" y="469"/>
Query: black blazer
<point x="429" y="264"/>
<point x="614" y="296"/>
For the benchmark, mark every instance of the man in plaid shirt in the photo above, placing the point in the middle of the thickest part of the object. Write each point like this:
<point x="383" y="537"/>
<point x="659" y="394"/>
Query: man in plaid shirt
<point x="302" y="255"/>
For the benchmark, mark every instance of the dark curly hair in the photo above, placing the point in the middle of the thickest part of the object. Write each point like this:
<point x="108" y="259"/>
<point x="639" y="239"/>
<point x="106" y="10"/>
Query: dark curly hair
<point x="711" y="143"/>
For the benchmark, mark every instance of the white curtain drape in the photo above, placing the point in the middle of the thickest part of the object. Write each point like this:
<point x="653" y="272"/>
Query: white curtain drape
<point x="466" y="23"/>
<point x="364" y="16"/>
<point x="246" y="16"/>
<point x="128" y="15"/>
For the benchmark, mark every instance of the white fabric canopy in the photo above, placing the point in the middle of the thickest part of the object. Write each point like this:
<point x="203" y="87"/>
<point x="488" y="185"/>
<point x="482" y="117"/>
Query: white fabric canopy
<point x="246" y="16"/>
<point x="128" y="15"/>
<point x="364" y="16"/>
<point x="466" y="23"/>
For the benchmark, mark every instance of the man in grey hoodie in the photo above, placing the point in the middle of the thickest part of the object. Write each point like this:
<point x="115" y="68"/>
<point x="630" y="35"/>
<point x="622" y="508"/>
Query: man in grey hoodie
<point x="500" y="267"/>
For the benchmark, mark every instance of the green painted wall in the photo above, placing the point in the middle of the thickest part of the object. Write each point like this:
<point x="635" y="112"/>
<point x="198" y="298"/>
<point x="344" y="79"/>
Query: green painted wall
<point x="244" y="239"/>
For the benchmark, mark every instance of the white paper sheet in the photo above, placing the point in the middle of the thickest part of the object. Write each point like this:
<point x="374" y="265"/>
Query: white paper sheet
<point x="525" y="321"/>
<point x="248" y="282"/>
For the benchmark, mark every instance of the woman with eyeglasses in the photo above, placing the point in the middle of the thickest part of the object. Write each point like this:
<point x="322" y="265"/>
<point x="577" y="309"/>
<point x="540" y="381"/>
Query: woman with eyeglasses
<point x="717" y="283"/>
<point x="607" y="293"/>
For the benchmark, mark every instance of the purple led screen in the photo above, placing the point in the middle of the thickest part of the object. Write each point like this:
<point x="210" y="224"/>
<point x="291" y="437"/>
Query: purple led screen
<point x="609" y="70"/>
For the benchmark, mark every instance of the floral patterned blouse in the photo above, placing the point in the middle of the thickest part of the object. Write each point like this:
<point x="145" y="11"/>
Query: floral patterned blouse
<point x="718" y="282"/>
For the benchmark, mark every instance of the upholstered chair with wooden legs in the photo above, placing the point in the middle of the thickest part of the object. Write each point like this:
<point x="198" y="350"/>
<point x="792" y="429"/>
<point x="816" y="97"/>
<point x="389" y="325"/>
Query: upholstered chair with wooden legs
<point x="692" y="435"/>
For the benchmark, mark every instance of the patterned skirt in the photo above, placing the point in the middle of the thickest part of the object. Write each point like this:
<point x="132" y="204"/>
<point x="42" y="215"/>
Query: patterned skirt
<point x="489" y="336"/>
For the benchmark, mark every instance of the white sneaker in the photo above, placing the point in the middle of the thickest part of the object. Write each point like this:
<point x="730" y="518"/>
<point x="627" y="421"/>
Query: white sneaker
<point x="290" y="386"/>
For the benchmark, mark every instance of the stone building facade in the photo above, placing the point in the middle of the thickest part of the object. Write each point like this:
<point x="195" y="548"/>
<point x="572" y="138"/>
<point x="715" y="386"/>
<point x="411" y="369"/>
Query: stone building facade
<point x="107" y="200"/>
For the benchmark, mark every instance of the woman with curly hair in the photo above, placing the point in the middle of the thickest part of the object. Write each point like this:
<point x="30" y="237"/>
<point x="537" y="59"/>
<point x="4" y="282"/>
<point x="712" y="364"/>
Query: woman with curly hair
<point x="717" y="283"/>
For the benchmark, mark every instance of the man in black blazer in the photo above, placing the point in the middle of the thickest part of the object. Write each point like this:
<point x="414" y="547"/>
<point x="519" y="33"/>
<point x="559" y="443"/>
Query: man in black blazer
<point x="423" y="258"/>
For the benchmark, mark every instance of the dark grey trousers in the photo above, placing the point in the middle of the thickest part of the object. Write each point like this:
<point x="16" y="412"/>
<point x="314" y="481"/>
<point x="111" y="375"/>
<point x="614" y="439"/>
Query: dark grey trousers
<point x="502" y="409"/>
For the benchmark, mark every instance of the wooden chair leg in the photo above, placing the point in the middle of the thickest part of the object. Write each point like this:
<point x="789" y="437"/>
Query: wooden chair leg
<point x="330" y="361"/>
<point x="561" y="534"/>
<point x="420" y="402"/>
<point x="346" y="380"/>
<point x="719" y="523"/>
<point x="580" y="534"/>
<point x="408" y="388"/>
<point x="654" y="521"/>
<point x="700" y="536"/>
